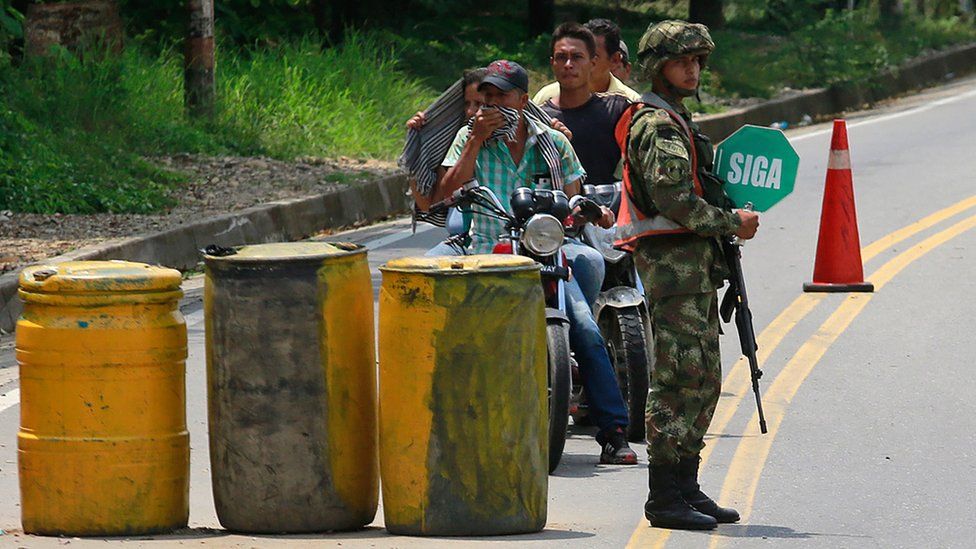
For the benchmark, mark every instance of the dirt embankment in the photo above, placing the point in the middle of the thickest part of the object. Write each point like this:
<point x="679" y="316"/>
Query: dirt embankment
<point x="216" y="185"/>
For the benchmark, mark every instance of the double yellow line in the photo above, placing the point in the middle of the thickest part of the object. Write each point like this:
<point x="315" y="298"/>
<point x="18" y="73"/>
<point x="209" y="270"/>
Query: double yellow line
<point x="750" y="456"/>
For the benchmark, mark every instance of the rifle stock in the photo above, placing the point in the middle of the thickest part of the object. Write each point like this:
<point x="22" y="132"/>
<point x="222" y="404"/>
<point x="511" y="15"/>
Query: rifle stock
<point x="736" y="300"/>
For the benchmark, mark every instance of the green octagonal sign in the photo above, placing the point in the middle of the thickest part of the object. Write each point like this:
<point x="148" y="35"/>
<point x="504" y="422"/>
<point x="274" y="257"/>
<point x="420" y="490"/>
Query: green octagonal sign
<point x="758" y="165"/>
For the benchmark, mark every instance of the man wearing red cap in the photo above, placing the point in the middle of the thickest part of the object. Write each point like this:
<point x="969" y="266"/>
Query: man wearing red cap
<point x="505" y="150"/>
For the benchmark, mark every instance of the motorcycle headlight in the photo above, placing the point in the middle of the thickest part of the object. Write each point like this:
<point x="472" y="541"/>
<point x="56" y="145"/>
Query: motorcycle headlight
<point x="543" y="235"/>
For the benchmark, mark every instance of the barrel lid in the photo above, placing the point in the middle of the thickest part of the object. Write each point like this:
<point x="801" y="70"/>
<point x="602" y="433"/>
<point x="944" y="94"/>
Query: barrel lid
<point x="99" y="277"/>
<point x="461" y="264"/>
<point x="284" y="251"/>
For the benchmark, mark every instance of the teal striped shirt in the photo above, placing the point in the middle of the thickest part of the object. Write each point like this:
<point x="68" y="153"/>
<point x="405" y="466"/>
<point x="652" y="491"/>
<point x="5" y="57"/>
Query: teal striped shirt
<point x="496" y="170"/>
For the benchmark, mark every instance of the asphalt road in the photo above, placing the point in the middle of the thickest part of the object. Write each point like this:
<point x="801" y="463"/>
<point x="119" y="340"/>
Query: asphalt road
<point x="869" y="398"/>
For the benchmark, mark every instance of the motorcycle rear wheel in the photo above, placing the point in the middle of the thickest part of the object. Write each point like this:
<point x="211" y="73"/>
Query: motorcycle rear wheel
<point x="627" y="346"/>
<point x="560" y="387"/>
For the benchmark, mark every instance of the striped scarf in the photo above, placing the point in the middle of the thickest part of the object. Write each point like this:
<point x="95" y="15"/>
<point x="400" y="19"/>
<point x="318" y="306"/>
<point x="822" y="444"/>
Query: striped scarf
<point x="426" y="148"/>
<point x="506" y="132"/>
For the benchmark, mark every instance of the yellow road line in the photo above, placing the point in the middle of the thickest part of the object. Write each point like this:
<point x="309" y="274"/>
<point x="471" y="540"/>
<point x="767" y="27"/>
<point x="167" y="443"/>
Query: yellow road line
<point x="883" y="243"/>
<point x="751" y="455"/>
<point x="737" y="381"/>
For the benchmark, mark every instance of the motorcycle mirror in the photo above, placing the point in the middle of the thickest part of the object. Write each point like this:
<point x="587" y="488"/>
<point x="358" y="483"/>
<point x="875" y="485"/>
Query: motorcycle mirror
<point x="560" y="205"/>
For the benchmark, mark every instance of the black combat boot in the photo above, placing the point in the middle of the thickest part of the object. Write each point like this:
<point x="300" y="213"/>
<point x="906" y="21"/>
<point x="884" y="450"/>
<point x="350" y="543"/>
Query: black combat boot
<point x="691" y="491"/>
<point x="665" y="507"/>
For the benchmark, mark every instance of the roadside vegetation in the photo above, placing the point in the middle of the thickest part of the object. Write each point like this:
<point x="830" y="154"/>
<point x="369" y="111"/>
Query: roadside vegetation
<point x="78" y="132"/>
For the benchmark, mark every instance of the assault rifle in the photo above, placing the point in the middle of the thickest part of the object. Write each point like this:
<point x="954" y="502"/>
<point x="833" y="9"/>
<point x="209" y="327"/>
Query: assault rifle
<point x="735" y="300"/>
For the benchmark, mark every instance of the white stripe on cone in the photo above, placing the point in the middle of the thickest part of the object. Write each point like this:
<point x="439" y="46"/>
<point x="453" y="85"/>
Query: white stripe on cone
<point x="839" y="160"/>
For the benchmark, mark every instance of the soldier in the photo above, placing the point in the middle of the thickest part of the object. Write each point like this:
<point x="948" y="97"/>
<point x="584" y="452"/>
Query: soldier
<point x="673" y="215"/>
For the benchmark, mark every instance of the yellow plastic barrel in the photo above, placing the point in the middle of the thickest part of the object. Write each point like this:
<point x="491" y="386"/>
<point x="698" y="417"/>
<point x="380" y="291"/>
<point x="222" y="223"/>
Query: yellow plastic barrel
<point x="463" y="421"/>
<point x="292" y="387"/>
<point x="103" y="446"/>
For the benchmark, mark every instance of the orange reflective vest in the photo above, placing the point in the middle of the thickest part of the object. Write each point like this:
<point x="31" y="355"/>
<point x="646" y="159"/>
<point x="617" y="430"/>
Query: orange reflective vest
<point x="632" y="223"/>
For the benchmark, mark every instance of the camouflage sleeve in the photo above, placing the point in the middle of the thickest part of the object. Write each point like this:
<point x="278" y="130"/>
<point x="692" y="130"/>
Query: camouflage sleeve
<point x="662" y="149"/>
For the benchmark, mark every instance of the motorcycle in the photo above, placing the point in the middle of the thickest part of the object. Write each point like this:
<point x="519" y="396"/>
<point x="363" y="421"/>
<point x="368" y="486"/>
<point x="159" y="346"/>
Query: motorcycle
<point x="535" y="229"/>
<point x="622" y="315"/>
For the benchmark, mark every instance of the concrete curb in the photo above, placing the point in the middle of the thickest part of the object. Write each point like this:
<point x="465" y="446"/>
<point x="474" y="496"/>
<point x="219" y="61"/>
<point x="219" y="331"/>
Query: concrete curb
<point x="913" y="75"/>
<point x="283" y="220"/>
<point x="297" y="218"/>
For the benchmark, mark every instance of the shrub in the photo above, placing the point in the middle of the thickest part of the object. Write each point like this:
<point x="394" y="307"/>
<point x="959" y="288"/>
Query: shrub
<point x="843" y="46"/>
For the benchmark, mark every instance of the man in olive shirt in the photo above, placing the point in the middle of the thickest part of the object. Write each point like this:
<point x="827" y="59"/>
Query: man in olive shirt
<point x="591" y="117"/>
<point x="608" y="52"/>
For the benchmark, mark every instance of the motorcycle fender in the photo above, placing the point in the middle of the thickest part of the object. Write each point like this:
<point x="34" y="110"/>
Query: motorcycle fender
<point x="617" y="298"/>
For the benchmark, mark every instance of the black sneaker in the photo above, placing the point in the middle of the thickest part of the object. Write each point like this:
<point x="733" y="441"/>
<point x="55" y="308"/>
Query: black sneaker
<point x="615" y="450"/>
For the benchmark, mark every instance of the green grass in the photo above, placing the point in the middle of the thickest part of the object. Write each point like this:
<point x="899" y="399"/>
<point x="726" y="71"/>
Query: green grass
<point x="73" y="134"/>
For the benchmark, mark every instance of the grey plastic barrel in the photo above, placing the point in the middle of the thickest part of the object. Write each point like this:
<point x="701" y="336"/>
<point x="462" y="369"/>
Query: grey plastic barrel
<point x="291" y="387"/>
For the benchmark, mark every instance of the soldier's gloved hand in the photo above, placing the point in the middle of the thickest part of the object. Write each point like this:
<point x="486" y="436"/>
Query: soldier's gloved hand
<point x="748" y="224"/>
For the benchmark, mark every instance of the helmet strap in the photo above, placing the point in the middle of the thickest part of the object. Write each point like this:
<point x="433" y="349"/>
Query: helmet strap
<point x="680" y="92"/>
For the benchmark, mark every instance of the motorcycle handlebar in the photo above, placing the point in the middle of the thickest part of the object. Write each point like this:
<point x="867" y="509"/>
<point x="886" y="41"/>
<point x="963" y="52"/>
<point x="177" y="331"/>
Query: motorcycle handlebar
<point x="590" y="211"/>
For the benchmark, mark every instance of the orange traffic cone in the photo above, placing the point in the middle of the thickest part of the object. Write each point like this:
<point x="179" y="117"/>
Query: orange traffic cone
<point x="838" y="267"/>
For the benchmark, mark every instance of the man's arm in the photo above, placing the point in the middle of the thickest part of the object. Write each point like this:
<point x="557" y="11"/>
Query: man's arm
<point x="662" y="150"/>
<point x="462" y="171"/>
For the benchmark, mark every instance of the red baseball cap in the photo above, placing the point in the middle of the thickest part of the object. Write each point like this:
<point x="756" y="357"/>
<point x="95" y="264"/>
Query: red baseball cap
<point x="506" y="75"/>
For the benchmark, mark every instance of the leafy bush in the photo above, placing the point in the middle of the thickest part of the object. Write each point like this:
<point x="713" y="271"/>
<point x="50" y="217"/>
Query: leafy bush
<point x="843" y="46"/>
<point x="913" y="35"/>
<point x="11" y="28"/>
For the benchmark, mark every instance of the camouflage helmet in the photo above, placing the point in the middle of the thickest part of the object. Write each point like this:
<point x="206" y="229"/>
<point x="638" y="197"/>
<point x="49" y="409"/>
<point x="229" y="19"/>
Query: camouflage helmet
<point x="669" y="40"/>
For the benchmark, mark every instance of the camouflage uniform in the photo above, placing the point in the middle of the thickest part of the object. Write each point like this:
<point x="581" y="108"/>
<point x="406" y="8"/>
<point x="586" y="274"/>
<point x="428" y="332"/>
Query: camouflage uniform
<point x="681" y="273"/>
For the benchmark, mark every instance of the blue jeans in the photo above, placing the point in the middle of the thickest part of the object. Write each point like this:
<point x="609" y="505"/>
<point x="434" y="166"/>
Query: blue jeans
<point x="607" y="405"/>
<point x="588" y="268"/>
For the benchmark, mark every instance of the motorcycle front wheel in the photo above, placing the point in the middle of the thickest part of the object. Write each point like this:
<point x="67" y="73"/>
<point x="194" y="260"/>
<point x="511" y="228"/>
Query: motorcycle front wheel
<point x="560" y="387"/>
<point x="627" y="346"/>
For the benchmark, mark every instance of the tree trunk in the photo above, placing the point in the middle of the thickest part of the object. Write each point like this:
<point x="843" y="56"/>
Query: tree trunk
<point x="77" y="26"/>
<point x="889" y="10"/>
<point x="343" y="14"/>
<point x="707" y="12"/>
<point x="320" y="14"/>
<point x="198" y="60"/>
<point x="542" y="17"/>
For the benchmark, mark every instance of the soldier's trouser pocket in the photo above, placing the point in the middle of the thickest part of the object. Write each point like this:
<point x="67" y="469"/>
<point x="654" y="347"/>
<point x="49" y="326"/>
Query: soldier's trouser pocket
<point x="685" y="376"/>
